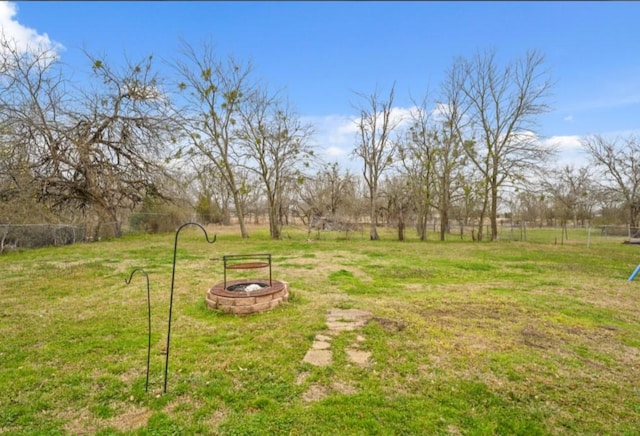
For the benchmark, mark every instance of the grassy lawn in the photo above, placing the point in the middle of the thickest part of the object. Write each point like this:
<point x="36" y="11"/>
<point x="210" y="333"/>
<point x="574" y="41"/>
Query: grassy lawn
<point x="509" y="337"/>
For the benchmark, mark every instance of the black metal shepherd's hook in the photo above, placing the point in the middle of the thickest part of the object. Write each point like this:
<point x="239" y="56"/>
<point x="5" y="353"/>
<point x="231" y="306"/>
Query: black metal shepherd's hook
<point x="173" y="275"/>
<point x="127" y="281"/>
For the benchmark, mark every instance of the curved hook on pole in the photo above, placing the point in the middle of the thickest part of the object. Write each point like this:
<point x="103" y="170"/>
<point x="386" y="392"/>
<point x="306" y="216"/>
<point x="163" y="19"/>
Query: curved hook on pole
<point x="128" y="281"/>
<point x="173" y="275"/>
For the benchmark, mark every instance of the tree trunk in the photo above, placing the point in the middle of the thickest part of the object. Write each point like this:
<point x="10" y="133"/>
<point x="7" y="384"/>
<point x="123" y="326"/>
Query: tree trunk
<point x="494" y="213"/>
<point x="423" y="219"/>
<point x="422" y="226"/>
<point x="373" y="231"/>
<point x="108" y="216"/>
<point x="401" y="229"/>
<point x="444" y="205"/>
<point x="274" y="226"/>
<point x="274" y="220"/>
<point x="483" y="212"/>
<point x="240" y="215"/>
<point x="226" y="216"/>
<point x="444" y="223"/>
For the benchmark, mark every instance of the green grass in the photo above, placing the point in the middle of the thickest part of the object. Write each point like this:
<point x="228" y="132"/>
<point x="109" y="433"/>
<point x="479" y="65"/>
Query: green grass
<point x="507" y="338"/>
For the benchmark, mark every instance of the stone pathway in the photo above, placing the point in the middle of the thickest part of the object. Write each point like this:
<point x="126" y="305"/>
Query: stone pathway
<point x="340" y="320"/>
<point x="321" y="355"/>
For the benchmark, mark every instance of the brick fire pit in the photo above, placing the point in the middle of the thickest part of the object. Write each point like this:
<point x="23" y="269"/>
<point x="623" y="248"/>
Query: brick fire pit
<point x="247" y="296"/>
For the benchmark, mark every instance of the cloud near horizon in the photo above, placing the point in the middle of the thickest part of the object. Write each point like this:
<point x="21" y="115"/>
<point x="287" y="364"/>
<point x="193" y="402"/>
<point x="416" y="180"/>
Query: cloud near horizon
<point x="335" y="137"/>
<point x="333" y="134"/>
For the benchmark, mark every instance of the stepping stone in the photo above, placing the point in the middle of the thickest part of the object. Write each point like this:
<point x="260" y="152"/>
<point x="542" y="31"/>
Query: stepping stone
<point x="349" y="315"/>
<point x="341" y="326"/>
<point x="320" y="345"/>
<point x="339" y="320"/>
<point x="318" y="357"/>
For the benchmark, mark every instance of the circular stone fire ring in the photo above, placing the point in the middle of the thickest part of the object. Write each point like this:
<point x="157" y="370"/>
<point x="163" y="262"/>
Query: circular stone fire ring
<point x="234" y="299"/>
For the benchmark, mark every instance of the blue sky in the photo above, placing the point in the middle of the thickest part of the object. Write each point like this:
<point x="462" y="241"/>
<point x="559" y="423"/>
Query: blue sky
<point x="320" y="52"/>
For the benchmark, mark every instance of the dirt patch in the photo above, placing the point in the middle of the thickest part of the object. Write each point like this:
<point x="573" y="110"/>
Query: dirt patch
<point x="390" y="325"/>
<point x="471" y="310"/>
<point x="344" y="388"/>
<point x="315" y="392"/>
<point x="130" y="420"/>
<point x="78" y="422"/>
<point x="533" y="337"/>
<point x="217" y="418"/>
<point x="301" y="378"/>
<point x="359" y="357"/>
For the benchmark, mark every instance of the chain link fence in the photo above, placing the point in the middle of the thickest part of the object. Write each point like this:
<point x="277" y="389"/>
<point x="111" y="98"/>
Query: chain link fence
<point x="14" y="236"/>
<point x="560" y="235"/>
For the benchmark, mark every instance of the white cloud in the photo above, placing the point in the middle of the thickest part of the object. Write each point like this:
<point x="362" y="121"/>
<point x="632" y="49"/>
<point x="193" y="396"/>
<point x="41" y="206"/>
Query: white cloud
<point x="564" y="143"/>
<point x="25" y="38"/>
<point x="570" y="151"/>
<point x="335" y="151"/>
<point x="402" y="116"/>
<point x="440" y="111"/>
<point x="335" y="137"/>
<point x="568" y="118"/>
<point x="333" y="134"/>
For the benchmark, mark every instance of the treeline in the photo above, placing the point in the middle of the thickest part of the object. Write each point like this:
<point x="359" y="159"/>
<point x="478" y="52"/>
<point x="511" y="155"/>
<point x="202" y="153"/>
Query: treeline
<point x="129" y="140"/>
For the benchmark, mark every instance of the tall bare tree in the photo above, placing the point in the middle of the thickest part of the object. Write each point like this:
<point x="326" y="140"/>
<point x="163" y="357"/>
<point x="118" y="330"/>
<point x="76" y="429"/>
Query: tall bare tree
<point x="618" y="160"/>
<point x="328" y="194"/>
<point x="31" y="95"/>
<point x="213" y="91"/>
<point x="94" y="149"/>
<point x="451" y="161"/>
<point x="375" y="146"/>
<point x="573" y="192"/>
<point x="211" y="195"/>
<point x="119" y="138"/>
<point x="502" y="105"/>
<point x="275" y="145"/>
<point x="400" y="204"/>
<point x="417" y="156"/>
<point x="433" y="158"/>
